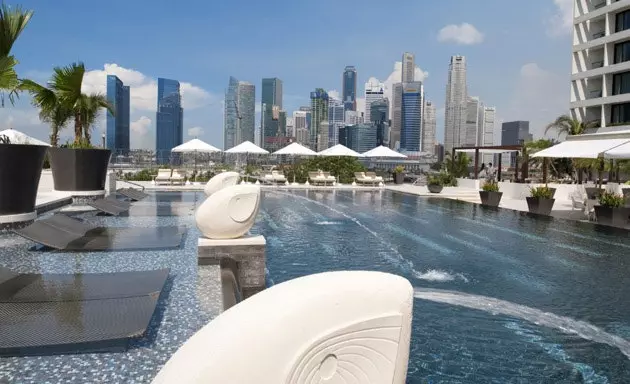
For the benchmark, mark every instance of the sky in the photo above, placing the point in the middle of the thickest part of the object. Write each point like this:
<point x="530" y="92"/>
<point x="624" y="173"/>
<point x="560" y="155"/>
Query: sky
<point x="518" y="53"/>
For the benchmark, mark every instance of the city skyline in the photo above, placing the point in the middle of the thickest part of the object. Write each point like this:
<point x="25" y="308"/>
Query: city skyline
<point x="528" y="81"/>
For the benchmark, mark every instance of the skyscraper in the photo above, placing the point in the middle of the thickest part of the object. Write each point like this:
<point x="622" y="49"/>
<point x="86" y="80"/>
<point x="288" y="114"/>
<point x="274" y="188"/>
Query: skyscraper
<point x="360" y="137"/>
<point x="408" y="67"/>
<point x="379" y="117"/>
<point x="396" y="116"/>
<point x="349" y="92"/>
<point x="169" y="124"/>
<point x="411" y="130"/>
<point x="374" y="90"/>
<point x="473" y="129"/>
<point x="247" y="112"/>
<point x="428" y="127"/>
<point x="456" y="99"/>
<point x="319" y="116"/>
<point x="514" y="133"/>
<point x="270" y="111"/>
<point x="487" y="133"/>
<point x="335" y="120"/>
<point x="118" y="124"/>
<point x="230" y="114"/>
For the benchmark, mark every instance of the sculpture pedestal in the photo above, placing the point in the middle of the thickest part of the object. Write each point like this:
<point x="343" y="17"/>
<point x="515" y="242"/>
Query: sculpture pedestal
<point x="243" y="257"/>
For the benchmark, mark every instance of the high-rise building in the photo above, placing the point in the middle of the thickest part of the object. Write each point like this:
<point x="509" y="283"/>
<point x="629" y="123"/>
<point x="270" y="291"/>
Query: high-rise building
<point x="600" y="76"/>
<point x="319" y="115"/>
<point x="374" y="90"/>
<point x="118" y="124"/>
<point x="486" y="137"/>
<point x="290" y="126"/>
<point x="379" y="117"/>
<point x="239" y="113"/>
<point x="456" y="99"/>
<point x="473" y="128"/>
<point x="360" y="137"/>
<point x="408" y="67"/>
<point x="353" y="117"/>
<point x="514" y="133"/>
<point x="271" y="105"/>
<point x="349" y="91"/>
<point x="439" y="152"/>
<point x="396" y="116"/>
<point x="336" y="120"/>
<point x="411" y="129"/>
<point x="300" y="125"/>
<point x="169" y="119"/>
<point x="428" y="127"/>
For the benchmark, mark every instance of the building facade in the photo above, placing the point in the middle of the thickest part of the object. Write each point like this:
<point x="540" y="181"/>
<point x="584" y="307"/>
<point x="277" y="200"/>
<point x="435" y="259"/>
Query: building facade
<point x="239" y="116"/>
<point x="169" y="126"/>
<point x="349" y="88"/>
<point x="336" y="120"/>
<point x="600" y="76"/>
<point x="374" y="90"/>
<point x="396" y="116"/>
<point x="319" y="115"/>
<point x="271" y="105"/>
<point x="360" y="137"/>
<point x="486" y="137"/>
<point x="455" y="106"/>
<point x="117" y="133"/>
<point x="429" y="127"/>
<point x="473" y="128"/>
<point x="408" y="67"/>
<point x="514" y="133"/>
<point x="411" y="129"/>
<point x="379" y="117"/>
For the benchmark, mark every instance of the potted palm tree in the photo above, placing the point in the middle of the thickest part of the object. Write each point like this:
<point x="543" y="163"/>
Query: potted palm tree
<point x="612" y="210"/>
<point x="541" y="200"/>
<point x="399" y="174"/>
<point x="490" y="194"/>
<point x="77" y="166"/>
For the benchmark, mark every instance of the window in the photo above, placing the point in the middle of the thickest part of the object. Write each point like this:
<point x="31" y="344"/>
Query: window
<point x="621" y="83"/>
<point x="622" y="52"/>
<point x="620" y="113"/>
<point x="622" y="21"/>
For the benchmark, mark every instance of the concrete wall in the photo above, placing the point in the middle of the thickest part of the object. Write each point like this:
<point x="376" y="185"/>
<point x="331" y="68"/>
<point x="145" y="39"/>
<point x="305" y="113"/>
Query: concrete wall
<point x="468" y="183"/>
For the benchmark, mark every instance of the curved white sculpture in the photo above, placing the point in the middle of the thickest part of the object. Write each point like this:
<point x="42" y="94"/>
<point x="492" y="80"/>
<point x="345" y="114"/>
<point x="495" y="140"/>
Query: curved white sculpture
<point x="229" y="213"/>
<point x="220" y="181"/>
<point x="335" y="327"/>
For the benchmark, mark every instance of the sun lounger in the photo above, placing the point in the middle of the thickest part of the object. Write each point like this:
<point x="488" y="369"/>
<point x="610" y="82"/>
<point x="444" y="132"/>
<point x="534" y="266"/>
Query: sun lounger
<point x="330" y="179"/>
<point x="278" y="177"/>
<point x="71" y="313"/>
<point x="317" y="178"/>
<point x="133" y="194"/>
<point x="372" y="176"/>
<point x="163" y="176"/>
<point x="361" y="178"/>
<point x="68" y="234"/>
<point x="178" y="177"/>
<point x="110" y="206"/>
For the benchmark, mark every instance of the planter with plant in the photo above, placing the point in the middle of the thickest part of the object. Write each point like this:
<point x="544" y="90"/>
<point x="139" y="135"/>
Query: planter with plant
<point x="490" y="194"/>
<point x="435" y="183"/>
<point x="541" y="200"/>
<point x="78" y="166"/>
<point x="612" y="210"/>
<point x="399" y="174"/>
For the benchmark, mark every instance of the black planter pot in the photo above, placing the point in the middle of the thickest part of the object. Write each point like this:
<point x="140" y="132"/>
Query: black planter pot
<point x="539" y="205"/>
<point x="626" y="195"/>
<point x="553" y="192"/>
<point x="592" y="193"/>
<point x="434" y="188"/>
<point x="399" y="178"/>
<point x="79" y="169"/>
<point x="20" y="170"/>
<point x="489" y="198"/>
<point x="616" y="217"/>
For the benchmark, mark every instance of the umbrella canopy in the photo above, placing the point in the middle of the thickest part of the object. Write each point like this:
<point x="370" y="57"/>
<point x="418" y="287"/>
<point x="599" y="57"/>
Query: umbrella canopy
<point x="339" y="150"/>
<point x="247" y="147"/>
<point x="295" y="149"/>
<point x="18" y="137"/>
<point x="195" y="145"/>
<point x="383" y="151"/>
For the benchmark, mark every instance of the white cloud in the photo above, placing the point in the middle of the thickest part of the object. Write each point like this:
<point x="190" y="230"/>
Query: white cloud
<point x="141" y="136"/>
<point x="561" y="22"/>
<point x="143" y="88"/>
<point x="195" y="131"/>
<point x="464" y="34"/>
<point x="335" y="94"/>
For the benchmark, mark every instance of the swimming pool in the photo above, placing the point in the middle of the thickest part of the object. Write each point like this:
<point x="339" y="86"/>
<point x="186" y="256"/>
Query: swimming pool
<point x="513" y="270"/>
<point x="484" y="278"/>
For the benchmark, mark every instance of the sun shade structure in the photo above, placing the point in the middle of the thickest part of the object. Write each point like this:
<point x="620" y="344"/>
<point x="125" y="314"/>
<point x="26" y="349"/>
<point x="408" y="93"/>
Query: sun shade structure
<point x="71" y="313"/>
<point x="582" y="148"/>
<point x="339" y="150"/>
<point x="17" y="137"/>
<point x="247" y="147"/>
<point x="620" y="152"/>
<point x="196" y="145"/>
<point x="487" y="150"/>
<point x="295" y="149"/>
<point x="383" y="152"/>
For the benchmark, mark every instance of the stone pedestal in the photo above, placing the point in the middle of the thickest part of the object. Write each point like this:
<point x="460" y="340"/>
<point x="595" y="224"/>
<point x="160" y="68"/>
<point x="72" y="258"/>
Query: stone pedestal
<point x="244" y="257"/>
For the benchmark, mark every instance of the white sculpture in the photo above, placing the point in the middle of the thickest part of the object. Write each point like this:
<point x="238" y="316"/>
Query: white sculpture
<point x="220" y="181"/>
<point x="229" y="213"/>
<point x="335" y="327"/>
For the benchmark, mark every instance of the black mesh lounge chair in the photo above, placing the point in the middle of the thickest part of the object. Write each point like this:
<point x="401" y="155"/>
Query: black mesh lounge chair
<point x="110" y="206"/>
<point x="64" y="233"/>
<point x="72" y="313"/>
<point x="132" y="194"/>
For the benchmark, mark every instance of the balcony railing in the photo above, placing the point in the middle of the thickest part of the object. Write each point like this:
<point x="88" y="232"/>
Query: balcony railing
<point x="597" y="64"/>
<point x="599" y="5"/>
<point x="599" y="34"/>
<point x="594" y="94"/>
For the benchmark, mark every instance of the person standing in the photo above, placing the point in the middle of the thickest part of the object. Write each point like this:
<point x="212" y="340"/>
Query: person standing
<point x="491" y="172"/>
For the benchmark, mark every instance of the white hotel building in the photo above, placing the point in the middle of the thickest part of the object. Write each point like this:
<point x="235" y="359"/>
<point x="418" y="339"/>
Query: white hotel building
<point x="600" y="78"/>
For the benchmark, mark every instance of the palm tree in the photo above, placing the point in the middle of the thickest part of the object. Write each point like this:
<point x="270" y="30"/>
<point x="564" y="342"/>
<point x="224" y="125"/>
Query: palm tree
<point x="12" y="23"/>
<point x="63" y="101"/>
<point x="565" y="124"/>
<point x="457" y="167"/>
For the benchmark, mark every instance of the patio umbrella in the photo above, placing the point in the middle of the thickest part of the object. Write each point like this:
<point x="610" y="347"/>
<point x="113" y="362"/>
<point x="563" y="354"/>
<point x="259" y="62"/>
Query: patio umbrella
<point x="383" y="152"/>
<point x="17" y="137"/>
<point x="295" y="149"/>
<point x="247" y="147"/>
<point x="195" y="146"/>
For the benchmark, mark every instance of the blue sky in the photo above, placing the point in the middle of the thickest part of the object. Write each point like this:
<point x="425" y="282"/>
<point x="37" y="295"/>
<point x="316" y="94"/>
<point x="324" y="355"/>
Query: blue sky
<point x="519" y="61"/>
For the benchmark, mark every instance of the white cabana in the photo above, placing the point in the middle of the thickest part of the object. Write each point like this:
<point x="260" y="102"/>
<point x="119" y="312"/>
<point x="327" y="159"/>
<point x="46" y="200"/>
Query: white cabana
<point x="247" y="147"/>
<point x="620" y="152"/>
<point x="583" y="148"/>
<point x="196" y="145"/>
<point x="383" y="152"/>
<point x="485" y="150"/>
<point x="340" y="151"/>
<point x="295" y="149"/>
<point x="17" y="137"/>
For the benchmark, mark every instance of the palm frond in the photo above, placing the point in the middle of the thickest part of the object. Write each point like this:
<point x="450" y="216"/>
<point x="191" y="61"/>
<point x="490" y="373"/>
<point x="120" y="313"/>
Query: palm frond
<point x="12" y="23"/>
<point x="66" y="82"/>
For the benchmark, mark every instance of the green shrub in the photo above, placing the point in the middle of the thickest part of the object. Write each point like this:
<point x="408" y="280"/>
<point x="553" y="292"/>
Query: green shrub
<point x="399" y="169"/>
<point x="341" y="167"/>
<point x="435" y="179"/>
<point x="611" y="200"/>
<point x="143" y="175"/>
<point x="543" y="192"/>
<point x="490" y="186"/>
<point x="82" y="144"/>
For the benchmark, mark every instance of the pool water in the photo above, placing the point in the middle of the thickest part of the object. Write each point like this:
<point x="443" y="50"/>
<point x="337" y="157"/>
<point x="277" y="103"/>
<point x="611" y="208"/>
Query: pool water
<point x="501" y="297"/>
